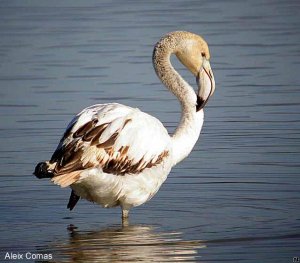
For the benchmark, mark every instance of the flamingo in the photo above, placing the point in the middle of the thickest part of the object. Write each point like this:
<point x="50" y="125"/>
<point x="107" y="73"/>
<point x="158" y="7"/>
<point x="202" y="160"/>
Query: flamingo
<point x="115" y="155"/>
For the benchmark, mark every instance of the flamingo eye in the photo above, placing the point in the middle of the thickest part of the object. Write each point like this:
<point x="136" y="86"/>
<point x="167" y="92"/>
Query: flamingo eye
<point x="203" y="54"/>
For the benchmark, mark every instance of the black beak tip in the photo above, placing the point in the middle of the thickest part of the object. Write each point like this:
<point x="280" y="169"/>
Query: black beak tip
<point x="200" y="103"/>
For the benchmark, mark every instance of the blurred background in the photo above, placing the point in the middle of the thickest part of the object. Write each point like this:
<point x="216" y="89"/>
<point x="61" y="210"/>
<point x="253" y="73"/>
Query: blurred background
<point x="235" y="198"/>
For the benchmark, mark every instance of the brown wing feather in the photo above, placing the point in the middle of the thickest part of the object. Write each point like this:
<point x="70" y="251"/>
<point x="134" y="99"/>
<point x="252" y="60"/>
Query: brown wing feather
<point x="84" y="145"/>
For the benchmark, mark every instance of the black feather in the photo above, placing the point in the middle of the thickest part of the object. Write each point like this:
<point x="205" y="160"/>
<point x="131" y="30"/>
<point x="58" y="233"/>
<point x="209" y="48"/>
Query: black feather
<point x="41" y="171"/>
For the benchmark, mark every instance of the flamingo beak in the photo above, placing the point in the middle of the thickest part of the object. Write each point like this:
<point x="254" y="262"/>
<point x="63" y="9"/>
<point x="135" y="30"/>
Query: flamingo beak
<point x="206" y="84"/>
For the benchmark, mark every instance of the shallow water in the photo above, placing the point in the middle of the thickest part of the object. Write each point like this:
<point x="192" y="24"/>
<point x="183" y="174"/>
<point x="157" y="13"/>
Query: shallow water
<point x="235" y="198"/>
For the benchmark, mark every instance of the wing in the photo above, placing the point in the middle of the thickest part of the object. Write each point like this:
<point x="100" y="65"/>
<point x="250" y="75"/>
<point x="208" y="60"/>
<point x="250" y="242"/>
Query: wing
<point x="115" y="138"/>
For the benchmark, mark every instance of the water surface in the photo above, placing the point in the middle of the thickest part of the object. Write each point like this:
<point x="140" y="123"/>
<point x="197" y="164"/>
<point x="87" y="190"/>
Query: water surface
<point x="235" y="199"/>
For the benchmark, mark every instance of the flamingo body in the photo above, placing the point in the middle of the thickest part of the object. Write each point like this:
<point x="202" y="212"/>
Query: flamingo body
<point x="123" y="162"/>
<point x="115" y="155"/>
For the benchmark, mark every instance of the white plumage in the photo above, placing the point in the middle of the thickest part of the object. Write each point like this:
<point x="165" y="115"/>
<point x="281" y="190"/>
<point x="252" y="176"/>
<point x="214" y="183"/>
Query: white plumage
<point x="146" y="139"/>
<point x="114" y="155"/>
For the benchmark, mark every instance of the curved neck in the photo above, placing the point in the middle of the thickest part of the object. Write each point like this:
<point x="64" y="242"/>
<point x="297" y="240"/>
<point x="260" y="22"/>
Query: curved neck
<point x="188" y="130"/>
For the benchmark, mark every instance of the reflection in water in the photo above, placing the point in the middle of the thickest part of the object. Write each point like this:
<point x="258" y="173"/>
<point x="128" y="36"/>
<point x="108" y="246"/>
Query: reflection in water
<point x="124" y="244"/>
